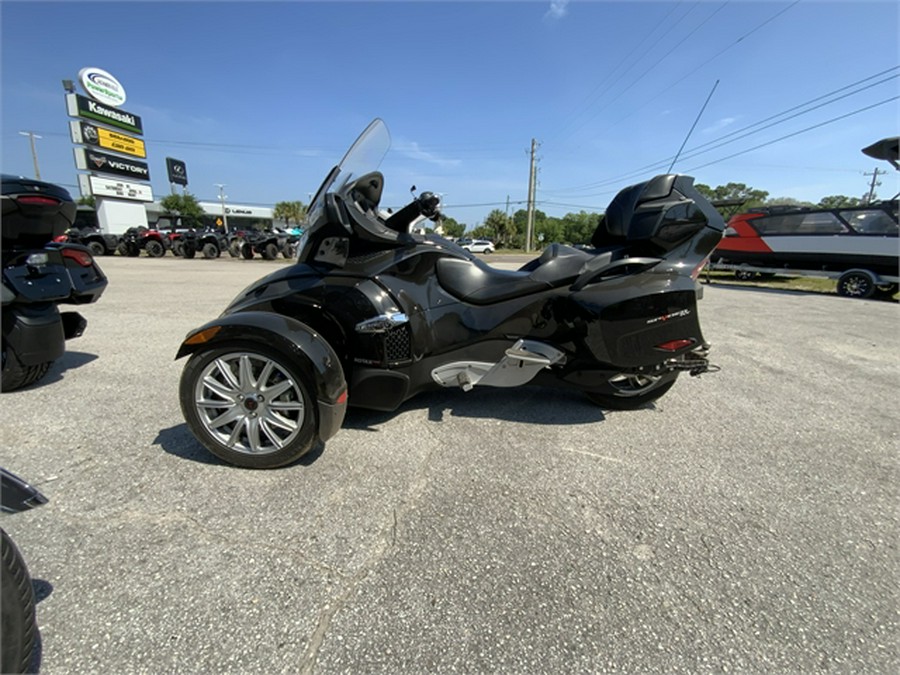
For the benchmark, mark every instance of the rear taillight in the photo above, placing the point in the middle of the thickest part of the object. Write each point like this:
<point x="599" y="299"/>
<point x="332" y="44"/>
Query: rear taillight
<point x="675" y="345"/>
<point x="61" y="239"/>
<point x="83" y="258"/>
<point x="38" y="199"/>
<point x="695" y="273"/>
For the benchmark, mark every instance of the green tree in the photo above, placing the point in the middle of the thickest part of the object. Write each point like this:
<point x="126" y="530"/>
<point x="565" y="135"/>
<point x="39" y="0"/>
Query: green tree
<point x="185" y="205"/>
<point x="451" y="228"/>
<point x="578" y="228"/>
<point x="88" y="200"/>
<point x="838" y="202"/>
<point x="549" y="230"/>
<point x="520" y="221"/>
<point x="502" y="227"/>
<point x="289" y="211"/>
<point x="786" y="201"/>
<point x="750" y="197"/>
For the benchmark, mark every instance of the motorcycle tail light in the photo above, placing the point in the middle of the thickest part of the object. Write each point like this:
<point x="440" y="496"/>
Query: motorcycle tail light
<point x="38" y="199"/>
<point x="83" y="258"/>
<point x="675" y="345"/>
<point x="699" y="268"/>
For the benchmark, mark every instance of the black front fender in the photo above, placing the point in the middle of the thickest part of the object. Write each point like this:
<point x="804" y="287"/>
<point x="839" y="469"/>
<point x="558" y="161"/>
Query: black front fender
<point x="303" y="345"/>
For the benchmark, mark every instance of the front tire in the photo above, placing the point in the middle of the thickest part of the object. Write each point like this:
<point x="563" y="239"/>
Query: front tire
<point x="249" y="405"/>
<point x="17" y="605"/>
<point x="129" y="249"/>
<point x="155" y="249"/>
<point x="210" y="251"/>
<point x="96" y="248"/>
<point x="631" y="391"/>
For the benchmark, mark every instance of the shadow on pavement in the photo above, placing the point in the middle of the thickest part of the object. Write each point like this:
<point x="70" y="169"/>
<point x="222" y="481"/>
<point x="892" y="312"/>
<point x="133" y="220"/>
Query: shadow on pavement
<point x="530" y="405"/>
<point x="179" y="441"/>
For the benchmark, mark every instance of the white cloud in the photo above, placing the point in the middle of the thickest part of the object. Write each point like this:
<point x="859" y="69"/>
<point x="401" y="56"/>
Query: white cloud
<point x="720" y="124"/>
<point x="558" y="9"/>
<point x="413" y="151"/>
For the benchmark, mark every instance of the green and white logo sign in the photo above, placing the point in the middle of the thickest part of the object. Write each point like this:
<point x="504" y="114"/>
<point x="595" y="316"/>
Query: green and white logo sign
<point x="102" y="87"/>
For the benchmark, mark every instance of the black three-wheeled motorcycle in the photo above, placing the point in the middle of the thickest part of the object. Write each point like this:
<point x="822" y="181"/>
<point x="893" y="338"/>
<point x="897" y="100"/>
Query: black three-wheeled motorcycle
<point x="371" y="315"/>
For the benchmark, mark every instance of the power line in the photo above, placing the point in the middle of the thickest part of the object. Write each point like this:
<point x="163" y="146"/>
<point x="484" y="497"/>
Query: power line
<point x="719" y="142"/>
<point x="590" y="99"/>
<point x="708" y="61"/>
<point x="762" y="145"/>
<point x="797" y="133"/>
<point x="648" y="71"/>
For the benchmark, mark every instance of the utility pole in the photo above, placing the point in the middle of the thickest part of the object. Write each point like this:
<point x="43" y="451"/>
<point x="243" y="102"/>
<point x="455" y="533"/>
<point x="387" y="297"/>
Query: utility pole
<point x="531" y="177"/>
<point x="31" y="135"/>
<point x="875" y="183"/>
<point x="222" y="198"/>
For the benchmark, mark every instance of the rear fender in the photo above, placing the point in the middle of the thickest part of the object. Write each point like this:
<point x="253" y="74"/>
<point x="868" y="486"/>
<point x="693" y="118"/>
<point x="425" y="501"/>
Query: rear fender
<point x="305" y="346"/>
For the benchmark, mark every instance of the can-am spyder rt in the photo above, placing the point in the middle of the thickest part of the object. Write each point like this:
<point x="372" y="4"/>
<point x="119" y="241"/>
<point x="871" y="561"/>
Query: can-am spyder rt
<point x="372" y="315"/>
<point x="38" y="275"/>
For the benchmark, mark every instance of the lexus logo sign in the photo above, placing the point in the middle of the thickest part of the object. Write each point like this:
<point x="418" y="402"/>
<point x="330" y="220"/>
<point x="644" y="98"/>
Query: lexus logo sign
<point x="177" y="171"/>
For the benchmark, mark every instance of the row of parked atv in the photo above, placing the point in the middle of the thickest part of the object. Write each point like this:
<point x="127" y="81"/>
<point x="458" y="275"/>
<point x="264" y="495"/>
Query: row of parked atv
<point x="187" y="242"/>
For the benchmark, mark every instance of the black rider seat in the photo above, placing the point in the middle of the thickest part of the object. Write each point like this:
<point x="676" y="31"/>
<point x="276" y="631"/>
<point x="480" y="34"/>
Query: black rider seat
<point x="478" y="283"/>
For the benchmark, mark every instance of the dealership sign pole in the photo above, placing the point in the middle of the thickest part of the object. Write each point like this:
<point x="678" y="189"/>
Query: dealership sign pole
<point x="107" y="142"/>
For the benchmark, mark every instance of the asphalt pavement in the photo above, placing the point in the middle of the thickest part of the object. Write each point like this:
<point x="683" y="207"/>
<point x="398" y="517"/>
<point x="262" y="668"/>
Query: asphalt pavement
<point x="747" y="521"/>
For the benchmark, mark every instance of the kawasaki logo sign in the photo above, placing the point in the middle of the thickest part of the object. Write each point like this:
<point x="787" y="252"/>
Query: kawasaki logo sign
<point x="81" y="106"/>
<point x="100" y="162"/>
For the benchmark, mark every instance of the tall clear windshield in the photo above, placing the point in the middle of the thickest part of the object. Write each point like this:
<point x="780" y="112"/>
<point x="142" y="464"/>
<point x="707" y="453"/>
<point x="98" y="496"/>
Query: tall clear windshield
<point x="364" y="156"/>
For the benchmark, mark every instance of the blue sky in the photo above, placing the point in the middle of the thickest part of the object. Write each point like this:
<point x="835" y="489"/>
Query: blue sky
<point x="265" y="97"/>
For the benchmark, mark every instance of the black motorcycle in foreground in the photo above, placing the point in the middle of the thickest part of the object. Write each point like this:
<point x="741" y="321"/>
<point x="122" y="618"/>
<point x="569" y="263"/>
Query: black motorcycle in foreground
<point x="16" y="593"/>
<point x="371" y="315"/>
<point x="38" y="275"/>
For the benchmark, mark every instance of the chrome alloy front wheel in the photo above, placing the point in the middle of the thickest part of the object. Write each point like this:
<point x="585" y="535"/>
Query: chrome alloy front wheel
<point x="249" y="403"/>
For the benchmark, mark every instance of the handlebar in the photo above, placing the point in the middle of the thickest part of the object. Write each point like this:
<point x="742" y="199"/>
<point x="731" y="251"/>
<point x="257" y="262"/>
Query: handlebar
<point x="428" y="205"/>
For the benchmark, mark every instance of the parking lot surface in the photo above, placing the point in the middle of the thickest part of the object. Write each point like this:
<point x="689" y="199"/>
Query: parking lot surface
<point x="746" y="521"/>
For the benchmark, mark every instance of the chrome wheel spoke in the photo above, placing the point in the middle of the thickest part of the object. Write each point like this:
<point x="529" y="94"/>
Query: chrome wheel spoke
<point x="213" y="404"/>
<point x="235" y="434"/>
<point x="280" y="422"/>
<point x="277" y="390"/>
<point x="265" y="374"/>
<point x="253" y="434"/>
<point x="270" y="433"/>
<point x="219" y="389"/>
<point x="286" y="406"/>
<point x="226" y="372"/>
<point x="246" y="373"/>
<point x="235" y="413"/>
